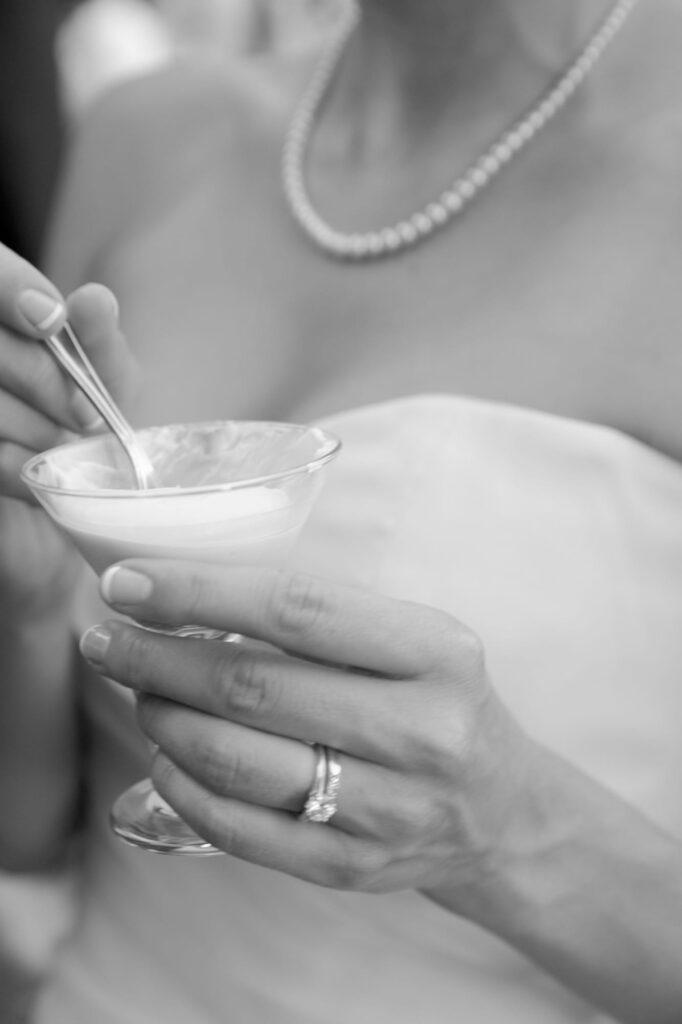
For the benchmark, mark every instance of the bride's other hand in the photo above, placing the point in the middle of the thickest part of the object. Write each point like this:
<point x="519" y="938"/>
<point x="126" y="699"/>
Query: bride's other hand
<point x="40" y="408"/>
<point x="433" y="768"/>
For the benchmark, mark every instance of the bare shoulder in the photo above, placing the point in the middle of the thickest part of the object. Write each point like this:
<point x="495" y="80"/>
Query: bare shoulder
<point x="653" y="94"/>
<point x="648" y="203"/>
<point x="143" y="136"/>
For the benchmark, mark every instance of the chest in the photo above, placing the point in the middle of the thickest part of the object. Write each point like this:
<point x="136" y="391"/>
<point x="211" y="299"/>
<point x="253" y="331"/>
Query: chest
<point x="560" y="306"/>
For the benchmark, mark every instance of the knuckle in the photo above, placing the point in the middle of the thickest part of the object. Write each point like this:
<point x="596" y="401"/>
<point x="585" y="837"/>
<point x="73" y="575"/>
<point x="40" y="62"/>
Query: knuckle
<point x="223" y="772"/>
<point x="250" y="684"/>
<point x="438" y="734"/>
<point x="433" y="629"/>
<point x="358" y="868"/>
<point x="135" y="656"/>
<point x="470" y="649"/>
<point x="454" y="644"/>
<point x="298" y="604"/>
<point x="422" y="818"/>
<point x="408" y="815"/>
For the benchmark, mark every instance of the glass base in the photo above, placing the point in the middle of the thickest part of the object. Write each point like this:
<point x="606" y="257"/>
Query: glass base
<point x="142" y="818"/>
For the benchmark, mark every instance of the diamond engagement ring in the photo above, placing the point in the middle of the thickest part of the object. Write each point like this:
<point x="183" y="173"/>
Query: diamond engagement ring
<point x="321" y="802"/>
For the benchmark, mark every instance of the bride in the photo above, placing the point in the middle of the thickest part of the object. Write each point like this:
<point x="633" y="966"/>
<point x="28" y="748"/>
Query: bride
<point x="453" y="237"/>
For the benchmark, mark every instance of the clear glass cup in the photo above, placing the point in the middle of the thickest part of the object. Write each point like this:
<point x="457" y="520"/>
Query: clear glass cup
<point x="233" y="492"/>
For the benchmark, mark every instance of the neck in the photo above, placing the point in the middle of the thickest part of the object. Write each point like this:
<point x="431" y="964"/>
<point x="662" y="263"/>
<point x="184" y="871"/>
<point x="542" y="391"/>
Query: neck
<point x="419" y="33"/>
<point x="411" y="58"/>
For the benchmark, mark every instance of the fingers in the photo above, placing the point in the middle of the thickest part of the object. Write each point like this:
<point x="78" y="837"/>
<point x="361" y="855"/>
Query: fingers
<point x="93" y="314"/>
<point x="292" y="611"/>
<point x="229" y="759"/>
<point x="26" y="426"/>
<point x="37" y="399"/>
<point x="12" y="458"/>
<point x="43" y="306"/>
<point x="25" y="431"/>
<point x="28" y="371"/>
<point x="30" y="309"/>
<point x="266" y="690"/>
<point x="271" y="771"/>
<point x="271" y="838"/>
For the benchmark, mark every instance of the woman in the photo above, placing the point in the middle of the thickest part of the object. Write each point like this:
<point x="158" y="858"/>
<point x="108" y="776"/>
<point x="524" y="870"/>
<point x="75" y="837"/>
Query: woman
<point x="510" y="835"/>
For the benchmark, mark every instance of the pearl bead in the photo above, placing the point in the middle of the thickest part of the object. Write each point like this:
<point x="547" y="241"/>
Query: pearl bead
<point x="437" y="213"/>
<point x="341" y="247"/>
<point x="490" y="164"/>
<point x="358" y="245"/>
<point x="503" y="152"/>
<point x="466" y="189"/>
<point x="390" y="239"/>
<point x="375" y="243"/>
<point x="452" y="201"/>
<point x="407" y="232"/>
<point x="514" y="140"/>
<point x="536" y="121"/>
<point x="422" y="223"/>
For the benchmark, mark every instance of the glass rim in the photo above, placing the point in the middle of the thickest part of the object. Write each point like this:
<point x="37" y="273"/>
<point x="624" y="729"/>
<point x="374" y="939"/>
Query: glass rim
<point x="330" y="444"/>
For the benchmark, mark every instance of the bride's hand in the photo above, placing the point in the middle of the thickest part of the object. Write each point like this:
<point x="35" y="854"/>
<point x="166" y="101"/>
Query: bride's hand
<point x="434" y="769"/>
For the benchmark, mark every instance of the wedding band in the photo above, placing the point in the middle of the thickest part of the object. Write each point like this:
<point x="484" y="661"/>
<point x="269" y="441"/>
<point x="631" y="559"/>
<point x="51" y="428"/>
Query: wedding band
<point x="321" y="803"/>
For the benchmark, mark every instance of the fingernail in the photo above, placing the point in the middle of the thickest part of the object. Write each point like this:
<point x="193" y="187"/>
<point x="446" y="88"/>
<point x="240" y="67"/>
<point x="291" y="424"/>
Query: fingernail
<point x="124" y="586"/>
<point x="94" y="644"/>
<point x="85" y="412"/>
<point x="41" y="310"/>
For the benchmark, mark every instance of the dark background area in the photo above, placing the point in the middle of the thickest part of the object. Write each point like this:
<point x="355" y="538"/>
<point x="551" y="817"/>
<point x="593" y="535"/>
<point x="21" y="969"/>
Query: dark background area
<point x="31" y="128"/>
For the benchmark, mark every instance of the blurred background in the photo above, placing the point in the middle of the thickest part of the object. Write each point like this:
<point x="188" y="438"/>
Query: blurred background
<point x="56" y="58"/>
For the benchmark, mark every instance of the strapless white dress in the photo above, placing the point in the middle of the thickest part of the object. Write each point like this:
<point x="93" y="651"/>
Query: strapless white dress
<point x="560" y="543"/>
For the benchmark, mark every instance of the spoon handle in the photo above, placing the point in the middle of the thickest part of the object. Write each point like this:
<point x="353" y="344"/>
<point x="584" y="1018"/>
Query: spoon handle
<point x="73" y="359"/>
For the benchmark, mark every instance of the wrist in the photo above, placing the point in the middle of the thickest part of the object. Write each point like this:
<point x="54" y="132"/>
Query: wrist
<point x="587" y="888"/>
<point x="516" y="860"/>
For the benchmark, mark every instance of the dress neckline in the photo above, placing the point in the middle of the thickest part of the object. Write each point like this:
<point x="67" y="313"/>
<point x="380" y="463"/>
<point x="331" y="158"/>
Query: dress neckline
<point x="511" y="410"/>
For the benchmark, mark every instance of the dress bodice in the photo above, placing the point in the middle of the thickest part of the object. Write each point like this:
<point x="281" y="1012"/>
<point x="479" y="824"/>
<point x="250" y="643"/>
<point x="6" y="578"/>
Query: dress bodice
<point x="560" y="543"/>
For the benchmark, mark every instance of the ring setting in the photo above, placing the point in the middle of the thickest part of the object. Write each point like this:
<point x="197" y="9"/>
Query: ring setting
<point x="322" y="801"/>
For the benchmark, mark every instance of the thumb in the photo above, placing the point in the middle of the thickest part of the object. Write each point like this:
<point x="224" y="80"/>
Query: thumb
<point x="29" y="302"/>
<point x="93" y="315"/>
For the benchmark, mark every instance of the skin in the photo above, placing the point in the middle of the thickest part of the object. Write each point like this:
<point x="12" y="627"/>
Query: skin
<point x="38" y="567"/>
<point x="528" y="299"/>
<point x="556" y="291"/>
<point x="441" y="790"/>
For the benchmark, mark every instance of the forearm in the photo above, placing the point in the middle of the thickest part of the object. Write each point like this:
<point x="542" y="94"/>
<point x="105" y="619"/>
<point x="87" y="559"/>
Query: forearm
<point x="38" y="742"/>
<point x="592" y="892"/>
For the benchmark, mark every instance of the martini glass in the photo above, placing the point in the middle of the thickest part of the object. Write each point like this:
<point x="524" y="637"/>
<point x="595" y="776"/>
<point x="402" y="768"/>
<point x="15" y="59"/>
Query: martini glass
<point x="231" y="492"/>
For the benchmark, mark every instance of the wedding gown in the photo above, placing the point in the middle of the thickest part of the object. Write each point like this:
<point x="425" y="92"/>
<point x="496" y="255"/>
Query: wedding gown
<point x="560" y="543"/>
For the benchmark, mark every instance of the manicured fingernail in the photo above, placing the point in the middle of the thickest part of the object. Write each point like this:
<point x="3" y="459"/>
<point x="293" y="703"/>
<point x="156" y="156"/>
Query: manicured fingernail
<point x="85" y="413"/>
<point x="124" y="586"/>
<point x="41" y="310"/>
<point x="95" y="644"/>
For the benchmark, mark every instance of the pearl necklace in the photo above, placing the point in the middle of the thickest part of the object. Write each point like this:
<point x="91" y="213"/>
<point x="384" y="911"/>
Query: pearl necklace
<point x="435" y="215"/>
